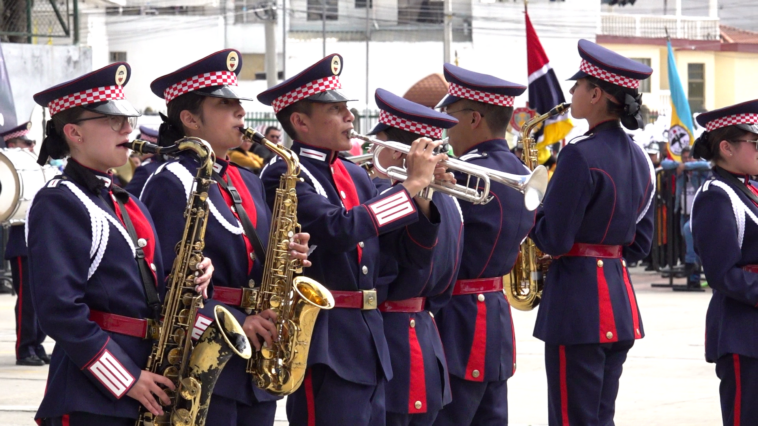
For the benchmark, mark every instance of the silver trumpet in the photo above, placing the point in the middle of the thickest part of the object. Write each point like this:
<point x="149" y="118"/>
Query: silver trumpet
<point x="533" y="185"/>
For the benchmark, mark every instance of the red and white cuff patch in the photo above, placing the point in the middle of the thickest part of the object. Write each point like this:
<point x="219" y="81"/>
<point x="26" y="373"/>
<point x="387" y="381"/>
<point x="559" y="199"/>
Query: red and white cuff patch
<point x="392" y="208"/>
<point x="201" y="323"/>
<point x="479" y="96"/>
<point x="112" y="374"/>
<point x="409" y="125"/>
<point x="619" y="80"/>
<point x="89" y="96"/>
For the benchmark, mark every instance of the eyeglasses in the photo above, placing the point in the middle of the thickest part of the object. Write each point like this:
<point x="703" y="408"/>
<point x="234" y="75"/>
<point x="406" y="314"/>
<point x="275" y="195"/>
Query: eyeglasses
<point x="115" y="121"/>
<point x="748" y="141"/>
<point x="460" y="110"/>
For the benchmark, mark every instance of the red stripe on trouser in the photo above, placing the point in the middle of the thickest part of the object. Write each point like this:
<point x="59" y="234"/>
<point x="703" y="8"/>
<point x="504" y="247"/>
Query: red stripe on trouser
<point x="64" y="420"/>
<point x="564" y="386"/>
<point x="479" y="345"/>
<point x="632" y="304"/>
<point x="309" y="401"/>
<point x="607" y="322"/>
<point x="417" y="385"/>
<point x="738" y="390"/>
<point x="20" y="305"/>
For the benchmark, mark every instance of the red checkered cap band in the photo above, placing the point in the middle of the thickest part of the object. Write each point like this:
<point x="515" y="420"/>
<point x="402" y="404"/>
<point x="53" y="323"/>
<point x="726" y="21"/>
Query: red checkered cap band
<point x="302" y="92"/>
<point x="476" y="95"/>
<point x="209" y="79"/>
<point x="17" y="134"/>
<point x="409" y="125"/>
<point x="618" y="80"/>
<point x="730" y="120"/>
<point x="89" y="96"/>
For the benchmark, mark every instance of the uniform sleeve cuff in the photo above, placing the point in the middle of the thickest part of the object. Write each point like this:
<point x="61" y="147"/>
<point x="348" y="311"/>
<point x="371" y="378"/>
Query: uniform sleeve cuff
<point x="424" y="232"/>
<point x="393" y="209"/>
<point x="113" y="370"/>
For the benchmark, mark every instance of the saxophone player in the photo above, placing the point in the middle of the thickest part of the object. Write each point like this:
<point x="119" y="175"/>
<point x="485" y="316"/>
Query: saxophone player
<point x="209" y="108"/>
<point x="346" y="215"/>
<point x="476" y="326"/>
<point x="596" y="216"/>
<point x="95" y="261"/>
<point x="419" y="386"/>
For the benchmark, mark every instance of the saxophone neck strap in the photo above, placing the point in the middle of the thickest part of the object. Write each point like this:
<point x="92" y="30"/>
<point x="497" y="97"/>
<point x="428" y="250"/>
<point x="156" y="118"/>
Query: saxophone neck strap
<point x="247" y="225"/>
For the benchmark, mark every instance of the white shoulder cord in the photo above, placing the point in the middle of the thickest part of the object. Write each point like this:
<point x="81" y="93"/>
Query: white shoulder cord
<point x="652" y="180"/>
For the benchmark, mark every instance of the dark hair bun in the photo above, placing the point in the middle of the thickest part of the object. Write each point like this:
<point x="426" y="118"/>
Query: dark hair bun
<point x="53" y="146"/>
<point x="701" y="148"/>
<point x="631" y="118"/>
<point x="168" y="133"/>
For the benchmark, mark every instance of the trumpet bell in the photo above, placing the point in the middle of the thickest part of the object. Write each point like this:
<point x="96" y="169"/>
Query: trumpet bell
<point x="535" y="188"/>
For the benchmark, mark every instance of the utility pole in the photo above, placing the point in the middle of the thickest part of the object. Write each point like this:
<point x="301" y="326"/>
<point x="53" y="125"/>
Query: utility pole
<point x="284" y="38"/>
<point x="368" y="38"/>
<point x="271" y="77"/>
<point x="323" y="27"/>
<point x="448" y="30"/>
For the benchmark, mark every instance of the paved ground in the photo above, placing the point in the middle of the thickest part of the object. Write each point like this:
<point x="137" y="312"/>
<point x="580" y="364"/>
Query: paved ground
<point x="666" y="380"/>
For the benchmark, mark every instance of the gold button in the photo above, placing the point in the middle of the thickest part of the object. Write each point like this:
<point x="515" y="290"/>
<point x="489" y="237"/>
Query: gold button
<point x="142" y="242"/>
<point x="413" y="323"/>
<point x="514" y="366"/>
<point x="360" y="244"/>
<point x="623" y="262"/>
<point x="431" y="314"/>
<point x="609" y="335"/>
<point x="480" y="298"/>
<point x="638" y="331"/>
<point x="365" y="270"/>
<point x="599" y="263"/>
<point x="417" y="405"/>
<point x="252" y="255"/>
<point x="152" y="266"/>
<point x="475" y="373"/>
<point x="342" y="194"/>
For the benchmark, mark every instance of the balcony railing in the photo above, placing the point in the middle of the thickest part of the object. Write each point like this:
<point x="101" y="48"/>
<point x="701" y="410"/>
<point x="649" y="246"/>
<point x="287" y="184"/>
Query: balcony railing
<point x="649" y="26"/>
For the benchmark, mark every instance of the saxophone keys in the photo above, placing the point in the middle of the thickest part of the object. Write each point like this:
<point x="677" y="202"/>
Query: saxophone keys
<point x="175" y="356"/>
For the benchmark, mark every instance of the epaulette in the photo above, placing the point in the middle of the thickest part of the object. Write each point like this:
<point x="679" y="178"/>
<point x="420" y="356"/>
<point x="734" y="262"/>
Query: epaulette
<point x="53" y="183"/>
<point x="473" y="155"/>
<point x="581" y="138"/>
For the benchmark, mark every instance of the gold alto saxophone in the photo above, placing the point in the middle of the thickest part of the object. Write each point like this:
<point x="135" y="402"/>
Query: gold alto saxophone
<point x="523" y="285"/>
<point x="193" y="368"/>
<point x="297" y="301"/>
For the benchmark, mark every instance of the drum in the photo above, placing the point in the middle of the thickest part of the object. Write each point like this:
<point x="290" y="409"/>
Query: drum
<point x="20" y="178"/>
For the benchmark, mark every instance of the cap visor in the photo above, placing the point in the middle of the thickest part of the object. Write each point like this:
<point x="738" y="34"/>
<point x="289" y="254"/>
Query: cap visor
<point x="752" y="128"/>
<point x="447" y="100"/>
<point x="380" y="127"/>
<point x="114" y="107"/>
<point x="578" y="75"/>
<point x="221" y="92"/>
<point x="330" y="96"/>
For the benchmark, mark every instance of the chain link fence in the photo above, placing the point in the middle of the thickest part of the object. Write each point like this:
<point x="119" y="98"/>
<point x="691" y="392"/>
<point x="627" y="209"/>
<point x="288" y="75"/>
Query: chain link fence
<point x="23" y="20"/>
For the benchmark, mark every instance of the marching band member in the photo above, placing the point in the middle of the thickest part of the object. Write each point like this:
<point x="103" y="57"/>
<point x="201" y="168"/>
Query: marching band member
<point x="725" y="229"/>
<point x="95" y="261"/>
<point x="419" y="386"/>
<point x="29" y="336"/>
<point x="345" y="214"/>
<point x="476" y="325"/>
<point x="238" y="227"/>
<point x="596" y="216"/>
<point x="148" y="167"/>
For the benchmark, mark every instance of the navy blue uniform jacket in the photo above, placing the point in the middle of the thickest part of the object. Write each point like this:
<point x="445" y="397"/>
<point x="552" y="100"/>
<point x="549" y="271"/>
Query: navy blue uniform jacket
<point x="725" y="230"/>
<point x="16" y="246"/>
<point x="478" y="336"/>
<point x="351" y="341"/>
<point x="142" y="174"/>
<point x="601" y="193"/>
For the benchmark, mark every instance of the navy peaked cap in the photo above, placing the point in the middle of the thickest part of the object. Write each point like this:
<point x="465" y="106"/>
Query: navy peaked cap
<point x="19" y="131"/>
<point x="148" y="134"/>
<point x="407" y="115"/>
<point x="609" y="66"/>
<point x="318" y="83"/>
<point x="215" y="76"/>
<point x="99" y="91"/>
<point x="744" y="116"/>
<point x="465" y="84"/>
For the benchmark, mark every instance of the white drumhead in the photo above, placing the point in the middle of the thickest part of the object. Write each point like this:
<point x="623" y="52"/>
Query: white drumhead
<point x="10" y="184"/>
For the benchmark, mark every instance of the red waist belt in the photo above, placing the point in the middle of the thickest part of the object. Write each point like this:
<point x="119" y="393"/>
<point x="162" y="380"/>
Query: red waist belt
<point x="595" y="250"/>
<point x="750" y="268"/>
<point x="364" y="299"/>
<point x="242" y="297"/>
<point x="142" y="328"/>
<point x="415" y="304"/>
<point x="478" y="285"/>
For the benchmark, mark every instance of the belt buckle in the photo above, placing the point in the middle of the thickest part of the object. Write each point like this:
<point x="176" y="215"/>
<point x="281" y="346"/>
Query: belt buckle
<point x="249" y="297"/>
<point x="153" y="329"/>
<point x="370" y="301"/>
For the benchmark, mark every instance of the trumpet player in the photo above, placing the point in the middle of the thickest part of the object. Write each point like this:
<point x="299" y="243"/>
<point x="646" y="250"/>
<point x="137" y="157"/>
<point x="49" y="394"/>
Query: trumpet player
<point x="95" y="261"/>
<point x="351" y="222"/>
<point x="597" y="216"/>
<point x="419" y="386"/>
<point x="238" y="227"/>
<point x="476" y="326"/>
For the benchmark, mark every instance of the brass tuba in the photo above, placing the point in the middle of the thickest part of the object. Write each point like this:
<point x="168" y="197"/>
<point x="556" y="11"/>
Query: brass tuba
<point x="523" y="285"/>
<point x="297" y="301"/>
<point x="193" y="368"/>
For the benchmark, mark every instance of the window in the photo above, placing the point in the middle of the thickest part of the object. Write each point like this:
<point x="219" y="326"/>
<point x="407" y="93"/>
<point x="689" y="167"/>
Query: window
<point x="645" y="84"/>
<point x="329" y="9"/>
<point x="696" y="87"/>
<point x="118" y="57"/>
<point x="361" y="4"/>
<point x="420" y="11"/>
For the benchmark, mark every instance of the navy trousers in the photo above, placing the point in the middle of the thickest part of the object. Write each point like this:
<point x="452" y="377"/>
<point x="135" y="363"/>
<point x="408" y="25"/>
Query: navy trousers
<point x="325" y="399"/>
<point x="738" y="389"/>
<point x="475" y="404"/>
<point x="228" y="412"/>
<point x="405" y="419"/>
<point x="88" y="419"/>
<point x="29" y="336"/>
<point x="583" y="381"/>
